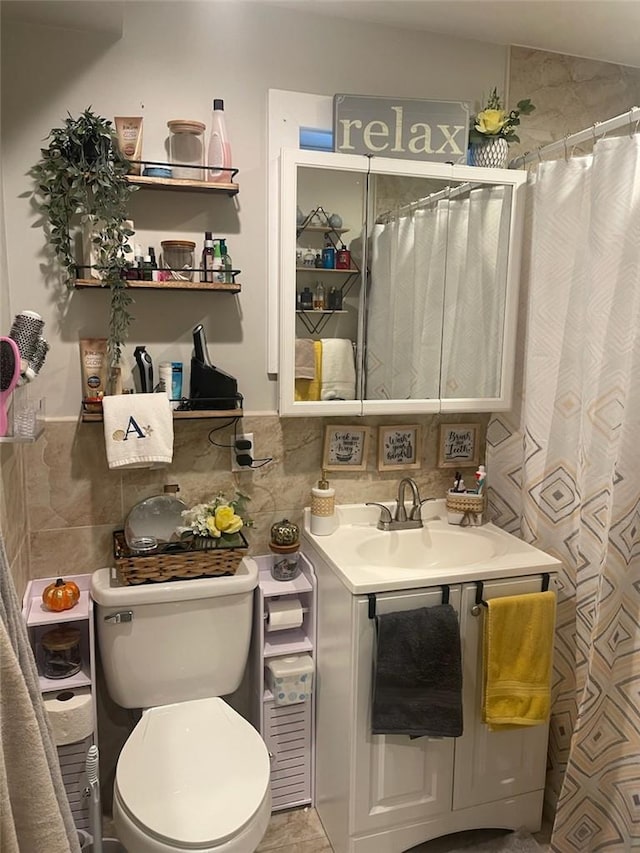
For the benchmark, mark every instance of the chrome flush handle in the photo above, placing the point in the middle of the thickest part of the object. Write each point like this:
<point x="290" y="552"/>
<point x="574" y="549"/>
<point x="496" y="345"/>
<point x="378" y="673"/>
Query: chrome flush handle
<point x="120" y="616"/>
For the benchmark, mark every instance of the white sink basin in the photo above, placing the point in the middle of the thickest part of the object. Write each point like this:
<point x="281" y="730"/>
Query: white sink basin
<point x="367" y="559"/>
<point x="437" y="545"/>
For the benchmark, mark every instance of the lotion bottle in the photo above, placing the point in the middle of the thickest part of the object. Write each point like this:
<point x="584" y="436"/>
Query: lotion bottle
<point x="323" y="508"/>
<point x="219" y="150"/>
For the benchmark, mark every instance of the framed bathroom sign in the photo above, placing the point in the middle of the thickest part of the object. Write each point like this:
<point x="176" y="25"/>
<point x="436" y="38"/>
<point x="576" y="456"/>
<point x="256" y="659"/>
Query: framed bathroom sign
<point x="398" y="447"/>
<point x="458" y="445"/>
<point x="345" y="448"/>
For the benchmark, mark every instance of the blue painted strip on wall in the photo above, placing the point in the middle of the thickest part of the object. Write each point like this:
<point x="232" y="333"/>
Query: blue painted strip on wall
<point x="316" y="139"/>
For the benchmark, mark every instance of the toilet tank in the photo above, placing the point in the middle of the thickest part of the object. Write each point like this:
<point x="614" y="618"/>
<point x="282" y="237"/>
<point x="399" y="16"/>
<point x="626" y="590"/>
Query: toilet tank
<point x="175" y="641"/>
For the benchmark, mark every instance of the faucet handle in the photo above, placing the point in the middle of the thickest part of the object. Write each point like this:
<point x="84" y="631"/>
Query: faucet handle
<point x="384" y="509"/>
<point x="416" y="510"/>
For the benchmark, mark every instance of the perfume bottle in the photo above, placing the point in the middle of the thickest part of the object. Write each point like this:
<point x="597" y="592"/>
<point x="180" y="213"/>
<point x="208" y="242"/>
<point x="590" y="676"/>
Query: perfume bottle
<point x="319" y="301"/>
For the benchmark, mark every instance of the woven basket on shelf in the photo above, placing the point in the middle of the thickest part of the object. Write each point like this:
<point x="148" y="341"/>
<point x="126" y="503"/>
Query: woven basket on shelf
<point x="175" y="565"/>
<point x="465" y="502"/>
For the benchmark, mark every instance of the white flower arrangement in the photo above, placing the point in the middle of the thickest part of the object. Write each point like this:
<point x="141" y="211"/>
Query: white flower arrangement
<point x="219" y="519"/>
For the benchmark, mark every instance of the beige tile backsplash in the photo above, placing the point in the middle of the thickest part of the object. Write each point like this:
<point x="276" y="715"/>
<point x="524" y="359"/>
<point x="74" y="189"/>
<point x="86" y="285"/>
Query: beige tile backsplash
<point x="75" y="502"/>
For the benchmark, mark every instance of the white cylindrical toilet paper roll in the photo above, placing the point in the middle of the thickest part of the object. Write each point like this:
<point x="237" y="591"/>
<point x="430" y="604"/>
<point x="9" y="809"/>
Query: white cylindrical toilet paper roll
<point x="284" y="613"/>
<point x="70" y="714"/>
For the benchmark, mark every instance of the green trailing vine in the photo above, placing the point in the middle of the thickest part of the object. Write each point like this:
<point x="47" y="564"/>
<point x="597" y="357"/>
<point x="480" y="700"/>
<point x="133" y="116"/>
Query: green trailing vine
<point x="80" y="179"/>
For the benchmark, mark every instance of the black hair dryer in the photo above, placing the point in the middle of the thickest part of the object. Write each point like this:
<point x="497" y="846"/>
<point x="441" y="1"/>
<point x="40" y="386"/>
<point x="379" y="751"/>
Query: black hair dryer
<point x="145" y="370"/>
<point x="209" y="387"/>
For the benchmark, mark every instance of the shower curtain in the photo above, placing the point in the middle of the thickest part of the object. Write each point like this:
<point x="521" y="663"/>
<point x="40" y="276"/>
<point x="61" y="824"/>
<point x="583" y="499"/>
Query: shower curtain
<point x="405" y="303"/>
<point x="425" y="264"/>
<point x="565" y="475"/>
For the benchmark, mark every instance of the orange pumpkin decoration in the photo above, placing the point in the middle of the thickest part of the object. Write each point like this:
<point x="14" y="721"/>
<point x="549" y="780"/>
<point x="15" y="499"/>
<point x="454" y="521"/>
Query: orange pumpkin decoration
<point x="61" y="595"/>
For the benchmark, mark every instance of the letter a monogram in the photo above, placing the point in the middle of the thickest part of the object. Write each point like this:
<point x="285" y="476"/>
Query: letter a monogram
<point x="132" y="426"/>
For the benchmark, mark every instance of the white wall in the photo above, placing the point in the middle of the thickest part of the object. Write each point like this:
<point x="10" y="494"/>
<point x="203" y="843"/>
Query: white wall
<point x="172" y="59"/>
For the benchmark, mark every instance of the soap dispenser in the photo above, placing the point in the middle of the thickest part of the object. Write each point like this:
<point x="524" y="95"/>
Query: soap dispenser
<point x="323" y="508"/>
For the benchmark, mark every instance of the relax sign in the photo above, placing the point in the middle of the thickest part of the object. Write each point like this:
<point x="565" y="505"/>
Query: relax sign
<point x="406" y="128"/>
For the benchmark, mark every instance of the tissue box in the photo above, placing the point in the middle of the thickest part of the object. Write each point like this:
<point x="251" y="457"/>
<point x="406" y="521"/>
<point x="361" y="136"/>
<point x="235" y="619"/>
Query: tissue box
<point x="290" y="679"/>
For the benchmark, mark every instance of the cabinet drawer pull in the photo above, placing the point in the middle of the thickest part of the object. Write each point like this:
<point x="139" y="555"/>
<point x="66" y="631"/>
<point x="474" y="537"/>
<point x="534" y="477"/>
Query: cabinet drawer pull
<point x="120" y="616"/>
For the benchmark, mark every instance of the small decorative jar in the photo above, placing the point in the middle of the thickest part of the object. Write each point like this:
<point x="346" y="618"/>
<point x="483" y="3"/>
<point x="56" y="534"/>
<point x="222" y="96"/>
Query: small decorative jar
<point x="178" y="258"/>
<point x="285" y="546"/>
<point x="186" y="149"/>
<point x="61" y="652"/>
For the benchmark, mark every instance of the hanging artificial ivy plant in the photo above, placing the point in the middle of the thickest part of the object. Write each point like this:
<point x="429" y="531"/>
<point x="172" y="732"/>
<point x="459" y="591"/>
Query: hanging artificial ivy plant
<point x="81" y="179"/>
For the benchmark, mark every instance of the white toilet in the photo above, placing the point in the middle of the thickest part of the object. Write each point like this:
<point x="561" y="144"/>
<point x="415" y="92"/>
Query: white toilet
<point x="194" y="774"/>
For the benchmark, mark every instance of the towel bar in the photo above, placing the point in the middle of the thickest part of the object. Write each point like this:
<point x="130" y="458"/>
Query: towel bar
<point x="372" y="599"/>
<point x="480" y="602"/>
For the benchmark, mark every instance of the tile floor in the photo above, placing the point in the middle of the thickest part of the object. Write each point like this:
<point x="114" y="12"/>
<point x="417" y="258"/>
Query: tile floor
<point x="300" y="831"/>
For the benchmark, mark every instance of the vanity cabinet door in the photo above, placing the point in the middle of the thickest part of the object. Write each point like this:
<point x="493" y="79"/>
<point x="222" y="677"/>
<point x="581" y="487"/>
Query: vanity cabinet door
<point x="492" y="766"/>
<point x="395" y="780"/>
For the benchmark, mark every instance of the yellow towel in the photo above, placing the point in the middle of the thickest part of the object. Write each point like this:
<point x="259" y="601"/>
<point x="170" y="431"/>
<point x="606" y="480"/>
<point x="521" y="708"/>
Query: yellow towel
<point x="309" y="389"/>
<point x="517" y="653"/>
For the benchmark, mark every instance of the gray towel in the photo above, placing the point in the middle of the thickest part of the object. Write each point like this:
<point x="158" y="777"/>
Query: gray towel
<point x="34" y="810"/>
<point x="418" y="674"/>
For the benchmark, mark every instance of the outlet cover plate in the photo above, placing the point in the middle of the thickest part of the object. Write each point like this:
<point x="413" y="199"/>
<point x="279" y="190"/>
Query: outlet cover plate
<point x="245" y="436"/>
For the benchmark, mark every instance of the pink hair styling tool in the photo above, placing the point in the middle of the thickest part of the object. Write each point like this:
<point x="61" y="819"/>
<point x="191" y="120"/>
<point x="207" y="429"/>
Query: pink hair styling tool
<point x="9" y="375"/>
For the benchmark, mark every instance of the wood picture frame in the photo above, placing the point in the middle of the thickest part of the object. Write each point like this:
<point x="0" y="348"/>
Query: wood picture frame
<point x="458" y="445"/>
<point x="399" y="447"/>
<point x="345" y="448"/>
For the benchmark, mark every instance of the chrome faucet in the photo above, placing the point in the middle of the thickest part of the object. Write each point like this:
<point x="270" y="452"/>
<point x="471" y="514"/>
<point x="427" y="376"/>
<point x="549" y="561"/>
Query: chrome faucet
<point x="400" y="520"/>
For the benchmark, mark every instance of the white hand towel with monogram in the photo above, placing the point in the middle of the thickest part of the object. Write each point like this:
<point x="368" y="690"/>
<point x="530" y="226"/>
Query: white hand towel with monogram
<point x="138" y="430"/>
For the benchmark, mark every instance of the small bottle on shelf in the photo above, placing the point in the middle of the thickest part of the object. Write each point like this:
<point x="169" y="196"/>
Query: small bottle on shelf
<point x="318" y="261"/>
<point x="147" y="269"/>
<point x="309" y="258"/>
<point x="319" y="301"/>
<point x="219" y="149"/>
<point x="343" y="258"/>
<point x="306" y="300"/>
<point x="218" y="274"/>
<point x="329" y="257"/>
<point x="206" y="266"/>
<point x="225" y="275"/>
<point x="154" y="264"/>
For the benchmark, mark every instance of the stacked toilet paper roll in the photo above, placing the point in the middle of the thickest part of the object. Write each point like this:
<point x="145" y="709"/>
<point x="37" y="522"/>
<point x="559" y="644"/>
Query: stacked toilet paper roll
<point x="70" y="714"/>
<point x="283" y="613"/>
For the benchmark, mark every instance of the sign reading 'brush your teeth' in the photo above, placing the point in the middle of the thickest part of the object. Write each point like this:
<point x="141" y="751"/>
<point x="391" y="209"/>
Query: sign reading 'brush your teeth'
<point x="407" y="128"/>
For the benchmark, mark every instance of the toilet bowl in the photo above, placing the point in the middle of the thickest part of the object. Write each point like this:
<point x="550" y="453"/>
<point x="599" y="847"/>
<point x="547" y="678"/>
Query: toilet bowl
<point x="193" y="775"/>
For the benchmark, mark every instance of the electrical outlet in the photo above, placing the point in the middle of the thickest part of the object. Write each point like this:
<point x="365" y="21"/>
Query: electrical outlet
<point x="240" y="449"/>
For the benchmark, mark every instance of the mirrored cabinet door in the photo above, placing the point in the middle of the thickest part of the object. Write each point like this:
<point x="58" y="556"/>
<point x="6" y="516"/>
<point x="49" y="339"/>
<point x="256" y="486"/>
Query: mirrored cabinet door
<point x="481" y="290"/>
<point x="408" y="219"/>
<point x="398" y="285"/>
<point x="322" y="258"/>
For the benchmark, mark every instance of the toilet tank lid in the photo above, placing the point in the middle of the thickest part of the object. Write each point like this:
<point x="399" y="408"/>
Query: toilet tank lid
<point x="106" y="592"/>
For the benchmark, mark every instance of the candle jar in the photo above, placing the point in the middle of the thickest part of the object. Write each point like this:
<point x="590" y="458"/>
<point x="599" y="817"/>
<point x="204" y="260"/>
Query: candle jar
<point x="61" y="652"/>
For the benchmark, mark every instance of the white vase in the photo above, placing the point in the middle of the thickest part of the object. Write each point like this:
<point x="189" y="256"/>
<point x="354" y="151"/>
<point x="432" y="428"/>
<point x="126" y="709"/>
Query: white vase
<point x="491" y="153"/>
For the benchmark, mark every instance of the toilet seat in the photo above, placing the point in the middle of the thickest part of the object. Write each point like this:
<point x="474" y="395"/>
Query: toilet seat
<point x="193" y="775"/>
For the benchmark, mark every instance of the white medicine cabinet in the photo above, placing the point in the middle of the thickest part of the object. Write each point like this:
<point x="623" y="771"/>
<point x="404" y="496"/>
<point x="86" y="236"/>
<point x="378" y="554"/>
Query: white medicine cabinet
<point x="421" y="316"/>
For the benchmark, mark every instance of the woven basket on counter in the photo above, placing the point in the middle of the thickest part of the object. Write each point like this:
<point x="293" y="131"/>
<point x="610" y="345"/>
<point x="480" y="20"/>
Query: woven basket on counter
<point x="196" y="562"/>
<point x="465" y="502"/>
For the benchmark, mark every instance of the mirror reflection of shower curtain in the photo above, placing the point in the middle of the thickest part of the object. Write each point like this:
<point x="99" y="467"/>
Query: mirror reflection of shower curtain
<point x="435" y="304"/>
<point x="474" y="298"/>
<point x="404" y="305"/>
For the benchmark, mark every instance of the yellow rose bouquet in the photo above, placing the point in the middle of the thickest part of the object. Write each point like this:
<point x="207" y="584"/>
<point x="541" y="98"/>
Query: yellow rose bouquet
<point x="219" y="520"/>
<point x="495" y="121"/>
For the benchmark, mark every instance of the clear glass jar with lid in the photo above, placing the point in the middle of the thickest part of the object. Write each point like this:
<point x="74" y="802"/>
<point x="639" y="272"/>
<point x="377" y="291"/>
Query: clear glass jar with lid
<point x="186" y="149"/>
<point x="178" y="257"/>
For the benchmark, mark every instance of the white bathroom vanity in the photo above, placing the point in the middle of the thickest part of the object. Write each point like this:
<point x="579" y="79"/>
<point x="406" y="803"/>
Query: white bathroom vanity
<point x="385" y="794"/>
